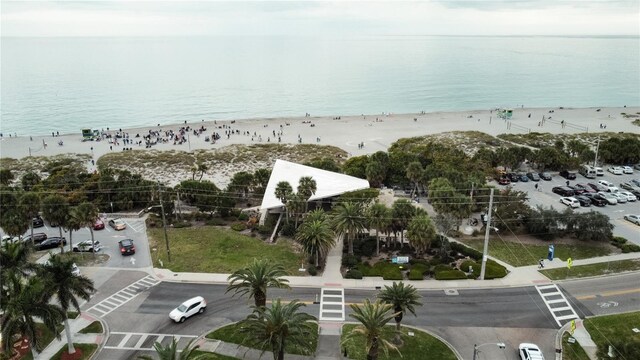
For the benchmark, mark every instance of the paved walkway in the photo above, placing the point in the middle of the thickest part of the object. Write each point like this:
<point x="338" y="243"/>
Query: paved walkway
<point x="76" y="325"/>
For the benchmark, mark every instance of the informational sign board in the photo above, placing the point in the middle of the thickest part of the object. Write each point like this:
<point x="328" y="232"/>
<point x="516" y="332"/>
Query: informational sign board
<point x="400" y="260"/>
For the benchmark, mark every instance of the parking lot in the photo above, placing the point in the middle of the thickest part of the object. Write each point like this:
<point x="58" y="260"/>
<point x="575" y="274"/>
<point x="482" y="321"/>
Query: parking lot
<point x="545" y="197"/>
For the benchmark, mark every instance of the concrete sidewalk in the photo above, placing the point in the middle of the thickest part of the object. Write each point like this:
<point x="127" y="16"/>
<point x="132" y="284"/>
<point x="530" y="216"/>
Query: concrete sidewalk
<point x="77" y="324"/>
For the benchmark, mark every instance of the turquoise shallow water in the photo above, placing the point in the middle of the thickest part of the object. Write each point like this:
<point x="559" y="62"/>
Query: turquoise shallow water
<point x="65" y="84"/>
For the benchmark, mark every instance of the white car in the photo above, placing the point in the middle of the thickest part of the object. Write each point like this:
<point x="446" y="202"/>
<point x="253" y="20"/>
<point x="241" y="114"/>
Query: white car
<point x="85" y="246"/>
<point x="630" y="196"/>
<point x="615" y="170"/>
<point x="627" y="169"/>
<point x="196" y="305"/>
<point x="612" y="200"/>
<point x="633" y="218"/>
<point x="610" y="187"/>
<point x="570" y="202"/>
<point x="75" y="270"/>
<point x="621" y="198"/>
<point x="530" y="352"/>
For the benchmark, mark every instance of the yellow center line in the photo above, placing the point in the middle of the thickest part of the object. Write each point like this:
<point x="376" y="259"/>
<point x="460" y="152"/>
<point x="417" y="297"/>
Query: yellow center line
<point x="609" y="293"/>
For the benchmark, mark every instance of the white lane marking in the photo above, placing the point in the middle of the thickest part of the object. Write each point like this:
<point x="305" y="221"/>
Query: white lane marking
<point x="549" y="291"/>
<point x="123" y="296"/>
<point x="328" y="297"/>
<point x="143" y="337"/>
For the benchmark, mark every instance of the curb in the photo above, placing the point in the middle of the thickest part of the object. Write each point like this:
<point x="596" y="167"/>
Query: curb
<point x="559" y="334"/>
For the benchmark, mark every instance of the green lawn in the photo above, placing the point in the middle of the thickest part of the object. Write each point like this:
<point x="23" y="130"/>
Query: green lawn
<point x="616" y="330"/>
<point x="93" y="328"/>
<point x="518" y="254"/>
<point x="572" y="351"/>
<point x="212" y="249"/>
<point x="421" y="346"/>
<point x="87" y="351"/>
<point x="592" y="269"/>
<point x="212" y="356"/>
<point x="231" y="334"/>
<point x="46" y="335"/>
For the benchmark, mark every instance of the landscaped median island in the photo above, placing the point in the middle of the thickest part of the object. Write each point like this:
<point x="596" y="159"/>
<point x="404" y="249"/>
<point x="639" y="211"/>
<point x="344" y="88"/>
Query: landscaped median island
<point x="572" y="351"/>
<point x="83" y="351"/>
<point x="617" y="331"/>
<point x="414" y="347"/>
<point x="604" y="268"/>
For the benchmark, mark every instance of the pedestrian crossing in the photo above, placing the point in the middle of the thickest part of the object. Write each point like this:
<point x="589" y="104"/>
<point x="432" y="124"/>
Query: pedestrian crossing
<point x="143" y="341"/>
<point x="136" y="225"/>
<point x="557" y="304"/>
<point x="123" y="296"/>
<point x="332" y="304"/>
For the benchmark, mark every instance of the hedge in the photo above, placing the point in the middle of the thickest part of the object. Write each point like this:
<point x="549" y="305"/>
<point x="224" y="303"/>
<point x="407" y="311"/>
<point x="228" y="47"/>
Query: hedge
<point x="465" y="250"/>
<point x="353" y="274"/>
<point x="417" y="271"/>
<point x="494" y="270"/>
<point x="451" y="275"/>
<point x="464" y="266"/>
<point x="627" y="248"/>
<point x="388" y="271"/>
<point x="238" y="226"/>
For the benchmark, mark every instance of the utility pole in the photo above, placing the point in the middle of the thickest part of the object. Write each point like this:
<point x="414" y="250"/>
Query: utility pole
<point x="595" y="162"/>
<point x="486" y="236"/>
<point x="164" y="224"/>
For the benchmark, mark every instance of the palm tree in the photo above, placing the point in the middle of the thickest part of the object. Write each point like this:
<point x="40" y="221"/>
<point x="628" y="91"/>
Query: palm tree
<point x="30" y="203"/>
<point x="379" y="218"/>
<point x="260" y="180"/>
<point x="74" y="223"/>
<point x="14" y="257"/>
<point x="372" y="318"/>
<point x="421" y="232"/>
<point x="317" y="214"/>
<point x="316" y="238"/>
<point x="171" y="352"/>
<point x="307" y="187"/>
<point x="87" y="215"/>
<point x="55" y="208"/>
<point x="198" y="167"/>
<point x="67" y="287"/>
<point x="256" y="278"/>
<point x="278" y="327"/>
<point x="403" y="212"/>
<point x="402" y="298"/>
<point x="415" y="173"/>
<point x="376" y="173"/>
<point x="24" y="304"/>
<point x="349" y="220"/>
<point x="295" y="205"/>
<point x="283" y="191"/>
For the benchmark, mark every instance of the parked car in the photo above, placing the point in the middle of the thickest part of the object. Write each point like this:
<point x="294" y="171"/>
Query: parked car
<point x="629" y="186"/>
<point x="126" y="247"/>
<point x="584" y="187"/>
<point x="10" y="239"/>
<point x="37" y="222"/>
<point x="196" y="305"/>
<point x="523" y="178"/>
<point x="37" y="238"/>
<point x="597" y="187"/>
<point x="627" y="169"/>
<point x="530" y="352"/>
<point x="610" y="187"/>
<point x="513" y="177"/>
<point x="636" y="182"/>
<point x="633" y="218"/>
<point x="98" y="225"/>
<point x="621" y="198"/>
<point x="599" y="171"/>
<point x="533" y="176"/>
<point x="545" y="176"/>
<point x="51" y="243"/>
<point x="577" y="190"/>
<point x="563" y="191"/>
<point x="630" y="196"/>
<point x="503" y="180"/>
<point x="611" y="200"/>
<point x="570" y="202"/>
<point x="615" y="170"/>
<point x="117" y="224"/>
<point x="596" y="200"/>
<point x="583" y="200"/>
<point x="85" y="246"/>
<point x="568" y="175"/>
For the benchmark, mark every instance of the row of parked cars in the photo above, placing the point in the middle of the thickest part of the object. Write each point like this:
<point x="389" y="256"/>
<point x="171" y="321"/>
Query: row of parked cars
<point x="509" y="178"/>
<point x="599" y="193"/>
<point x="116" y="224"/>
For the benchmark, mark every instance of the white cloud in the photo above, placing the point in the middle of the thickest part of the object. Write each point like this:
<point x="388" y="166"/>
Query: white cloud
<point x="340" y="18"/>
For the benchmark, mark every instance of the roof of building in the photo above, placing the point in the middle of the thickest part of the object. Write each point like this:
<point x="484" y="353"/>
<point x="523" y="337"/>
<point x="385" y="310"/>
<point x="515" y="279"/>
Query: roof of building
<point x="328" y="183"/>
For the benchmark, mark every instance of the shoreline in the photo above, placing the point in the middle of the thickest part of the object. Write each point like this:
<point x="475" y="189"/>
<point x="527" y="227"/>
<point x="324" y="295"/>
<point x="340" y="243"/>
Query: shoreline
<point x="376" y="132"/>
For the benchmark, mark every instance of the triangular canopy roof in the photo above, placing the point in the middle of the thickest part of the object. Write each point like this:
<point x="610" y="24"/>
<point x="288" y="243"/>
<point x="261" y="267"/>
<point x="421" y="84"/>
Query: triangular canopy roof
<point x="328" y="183"/>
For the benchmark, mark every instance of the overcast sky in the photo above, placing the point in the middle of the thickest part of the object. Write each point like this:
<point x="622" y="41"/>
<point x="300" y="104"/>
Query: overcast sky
<point x="339" y="18"/>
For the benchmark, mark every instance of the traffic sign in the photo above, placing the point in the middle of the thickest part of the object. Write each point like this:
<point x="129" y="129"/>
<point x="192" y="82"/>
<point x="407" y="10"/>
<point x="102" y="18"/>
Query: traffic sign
<point x="569" y="262"/>
<point x="573" y="326"/>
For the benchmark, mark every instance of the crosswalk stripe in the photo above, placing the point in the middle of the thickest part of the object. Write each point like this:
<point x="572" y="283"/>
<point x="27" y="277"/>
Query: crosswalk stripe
<point x="547" y="291"/>
<point x="111" y="303"/>
<point x="331" y="294"/>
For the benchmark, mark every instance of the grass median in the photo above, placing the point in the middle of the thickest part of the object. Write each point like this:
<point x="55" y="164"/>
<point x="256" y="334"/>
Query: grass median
<point x="617" y="331"/>
<point x="572" y="351"/>
<point x="609" y="267"/>
<point x="523" y="254"/>
<point x="212" y="249"/>
<point x="417" y="347"/>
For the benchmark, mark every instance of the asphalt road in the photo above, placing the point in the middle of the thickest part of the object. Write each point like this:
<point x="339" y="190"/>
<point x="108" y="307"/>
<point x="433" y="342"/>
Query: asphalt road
<point x="606" y="295"/>
<point x="615" y="212"/>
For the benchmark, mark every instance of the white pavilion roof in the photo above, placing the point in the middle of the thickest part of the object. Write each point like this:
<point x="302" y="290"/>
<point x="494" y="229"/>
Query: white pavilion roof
<point x="328" y="183"/>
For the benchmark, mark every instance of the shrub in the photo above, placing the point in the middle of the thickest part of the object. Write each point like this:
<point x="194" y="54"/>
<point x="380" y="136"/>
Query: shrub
<point x="238" y="226"/>
<point x="627" y="248"/>
<point x="494" y="270"/>
<point x="450" y="275"/>
<point x="368" y="247"/>
<point x="618" y="240"/>
<point x="265" y="230"/>
<point x="243" y="216"/>
<point x="181" y="224"/>
<point x="216" y="222"/>
<point x="350" y="260"/>
<point x="312" y="270"/>
<point x="463" y="249"/>
<point x="392" y="273"/>
<point x="353" y="274"/>
<point x="441" y="267"/>
<point x="288" y="230"/>
<point x="464" y="266"/>
<point x="417" y="271"/>
<point x="234" y="213"/>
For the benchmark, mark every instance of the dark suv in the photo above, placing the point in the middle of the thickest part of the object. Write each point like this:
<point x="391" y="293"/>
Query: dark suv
<point x="37" y="238"/>
<point x="568" y="175"/>
<point x="533" y="176"/>
<point x="126" y="247"/>
<point x="37" y="222"/>
<point x="563" y="191"/>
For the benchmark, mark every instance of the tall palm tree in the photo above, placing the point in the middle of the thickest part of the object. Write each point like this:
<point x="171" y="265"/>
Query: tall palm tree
<point x="316" y="238"/>
<point x="280" y="326"/>
<point x="415" y="173"/>
<point x="403" y="212"/>
<point x="87" y="215"/>
<point x="307" y="187"/>
<point x="376" y="173"/>
<point x="171" y="352"/>
<point x="14" y="257"/>
<point x="421" y="232"/>
<point x="402" y="298"/>
<point x="372" y="318"/>
<point x="74" y="223"/>
<point x="24" y="304"/>
<point x="256" y="278"/>
<point x="55" y="208"/>
<point x="295" y="205"/>
<point x="30" y="203"/>
<point x="349" y="220"/>
<point x="260" y="180"/>
<point x="317" y="214"/>
<point x="67" y="288"/>
<point x="283" y="191"/>
<point x="379" y="218"/>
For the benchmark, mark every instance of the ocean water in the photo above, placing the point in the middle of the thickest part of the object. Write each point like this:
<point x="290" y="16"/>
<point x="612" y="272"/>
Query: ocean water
<point x="65" y="84"/>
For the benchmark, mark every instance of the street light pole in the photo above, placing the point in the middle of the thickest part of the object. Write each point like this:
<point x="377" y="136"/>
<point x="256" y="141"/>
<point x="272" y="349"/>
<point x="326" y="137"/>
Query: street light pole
<point x="486" y="237"/>
<point x="595" y="161"/>
<point x="164" y="224"/>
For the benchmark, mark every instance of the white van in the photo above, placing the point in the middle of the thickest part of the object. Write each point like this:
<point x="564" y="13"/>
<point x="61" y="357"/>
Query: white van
<point x="588" y="171"/>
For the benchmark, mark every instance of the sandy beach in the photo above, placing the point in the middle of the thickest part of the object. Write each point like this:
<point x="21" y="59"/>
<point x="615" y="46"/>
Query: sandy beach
<point x="375" y="132"/>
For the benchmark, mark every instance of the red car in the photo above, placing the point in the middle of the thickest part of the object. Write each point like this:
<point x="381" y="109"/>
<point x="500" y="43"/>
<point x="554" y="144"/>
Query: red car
<point x="98" y="225"/>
